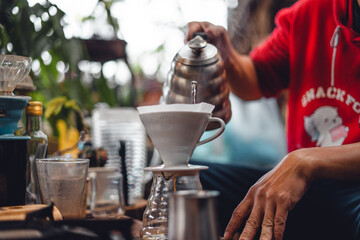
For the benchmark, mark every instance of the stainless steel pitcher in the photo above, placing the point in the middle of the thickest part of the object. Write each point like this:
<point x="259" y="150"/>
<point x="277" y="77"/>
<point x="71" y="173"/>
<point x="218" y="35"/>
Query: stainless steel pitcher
<point x="192" y="215"/>
<point x="201" y="62"/>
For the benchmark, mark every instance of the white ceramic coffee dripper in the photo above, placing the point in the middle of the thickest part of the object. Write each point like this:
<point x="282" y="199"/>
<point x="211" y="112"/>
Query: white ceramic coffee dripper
<point x="176" y="129"/>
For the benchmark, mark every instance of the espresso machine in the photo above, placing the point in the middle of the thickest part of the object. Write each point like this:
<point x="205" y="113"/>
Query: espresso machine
<point x="13" y="149"/>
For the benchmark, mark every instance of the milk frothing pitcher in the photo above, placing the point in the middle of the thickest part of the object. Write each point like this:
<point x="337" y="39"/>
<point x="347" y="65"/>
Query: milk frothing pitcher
<point x="192" y="215"/>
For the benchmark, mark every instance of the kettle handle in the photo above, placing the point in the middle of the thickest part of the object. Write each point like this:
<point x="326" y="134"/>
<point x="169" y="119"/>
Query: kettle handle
<point x="201" y="34"/>
<point x="218" y="133"/>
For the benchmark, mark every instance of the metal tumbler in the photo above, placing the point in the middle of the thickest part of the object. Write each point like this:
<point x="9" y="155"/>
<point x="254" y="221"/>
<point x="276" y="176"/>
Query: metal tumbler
<point x="192" y="215"/>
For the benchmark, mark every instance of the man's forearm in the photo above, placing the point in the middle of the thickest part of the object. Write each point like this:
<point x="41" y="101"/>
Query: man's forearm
<point x="338" y="163"/>
<point x="241" y="77"/>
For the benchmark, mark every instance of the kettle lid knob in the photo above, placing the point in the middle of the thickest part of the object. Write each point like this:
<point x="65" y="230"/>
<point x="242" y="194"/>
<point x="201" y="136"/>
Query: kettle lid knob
<point x="198" y="52"/>
<point x="197" y="43"/>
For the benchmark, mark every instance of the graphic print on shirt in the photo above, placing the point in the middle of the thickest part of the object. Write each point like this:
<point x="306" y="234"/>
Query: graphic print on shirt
<point x="325" y="127"/>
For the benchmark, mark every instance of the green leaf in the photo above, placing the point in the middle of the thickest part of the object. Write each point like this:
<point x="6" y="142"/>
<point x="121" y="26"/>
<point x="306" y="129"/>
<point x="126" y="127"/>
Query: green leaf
<point x="106" y="94"/>
<point x="3" y="38"/>
<point x="54" y="106"/>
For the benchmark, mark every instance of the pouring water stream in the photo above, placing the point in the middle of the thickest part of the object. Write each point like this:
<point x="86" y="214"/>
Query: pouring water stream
<point x="193" y="91"/>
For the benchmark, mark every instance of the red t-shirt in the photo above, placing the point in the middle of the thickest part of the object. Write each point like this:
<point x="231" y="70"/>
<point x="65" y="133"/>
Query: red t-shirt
<point x="298" y="56"/>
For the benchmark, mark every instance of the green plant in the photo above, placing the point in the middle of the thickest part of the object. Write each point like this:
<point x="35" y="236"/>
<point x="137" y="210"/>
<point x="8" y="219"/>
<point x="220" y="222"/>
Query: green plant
<point x="31" y="31"/>
<point x="66" y="109"/>
<point x="37" y="30"/>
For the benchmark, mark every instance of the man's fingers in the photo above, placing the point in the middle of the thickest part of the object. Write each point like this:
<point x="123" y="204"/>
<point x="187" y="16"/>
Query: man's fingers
<point x="237" y="218"/>
<point x="267" y="226"/>
<point x="279" y="223"/>
<point x="194" y="27"/>
<point x="191" y="28"/>
<point x="253" y="223"/>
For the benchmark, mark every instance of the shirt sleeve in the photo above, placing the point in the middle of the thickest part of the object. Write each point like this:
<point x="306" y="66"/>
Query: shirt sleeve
<point x="271" y="58"/>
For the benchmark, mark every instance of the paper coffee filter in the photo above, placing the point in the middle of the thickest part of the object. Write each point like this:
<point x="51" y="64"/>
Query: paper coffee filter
<point x="198" y="107"/>
<point x="175" y="129"/>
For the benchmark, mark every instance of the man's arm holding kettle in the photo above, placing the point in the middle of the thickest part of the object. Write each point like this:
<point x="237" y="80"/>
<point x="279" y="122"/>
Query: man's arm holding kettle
<point x="240" y="69"/>
<point x="267" y="203"/>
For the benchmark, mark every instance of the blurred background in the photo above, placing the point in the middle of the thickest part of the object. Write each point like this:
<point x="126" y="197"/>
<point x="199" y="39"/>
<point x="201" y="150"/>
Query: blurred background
<point x="117" y="53"/>
<point x="88" y="52"/>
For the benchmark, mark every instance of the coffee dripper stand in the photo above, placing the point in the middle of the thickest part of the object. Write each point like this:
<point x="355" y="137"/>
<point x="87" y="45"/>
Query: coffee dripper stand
<point x="167" y="180"/>
<point x="13" y="149"/>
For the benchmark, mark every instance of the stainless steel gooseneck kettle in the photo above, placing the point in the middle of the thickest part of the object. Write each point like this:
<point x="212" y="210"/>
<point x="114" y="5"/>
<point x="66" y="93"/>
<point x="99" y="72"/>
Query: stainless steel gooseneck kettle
<point x="201" y="62"/>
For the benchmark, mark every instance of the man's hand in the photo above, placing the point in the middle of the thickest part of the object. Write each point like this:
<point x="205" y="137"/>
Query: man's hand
<point x="240" y="69"/>
<point x="216" y="35"/>
<point x="268" y="202"/>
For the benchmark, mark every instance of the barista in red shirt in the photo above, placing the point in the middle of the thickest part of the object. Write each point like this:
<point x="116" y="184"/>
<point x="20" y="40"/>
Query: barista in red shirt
<point x="314" y="52"/>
